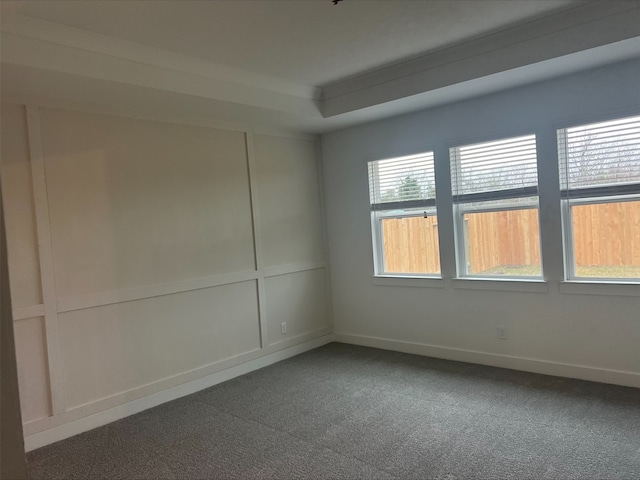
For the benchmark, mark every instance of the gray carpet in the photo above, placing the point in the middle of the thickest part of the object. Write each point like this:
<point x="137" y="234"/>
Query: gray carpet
<point x="343" y="411"/>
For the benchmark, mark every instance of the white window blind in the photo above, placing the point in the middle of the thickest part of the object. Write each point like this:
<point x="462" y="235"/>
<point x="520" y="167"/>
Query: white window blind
<point x="600" y="159"/>
<point x="403" y="182"/>
<point x="495" y="170"/>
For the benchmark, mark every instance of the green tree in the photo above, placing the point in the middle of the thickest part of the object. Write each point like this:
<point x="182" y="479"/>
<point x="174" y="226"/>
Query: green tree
<point x="390" y="195"/>
<point x="409" y="189"/>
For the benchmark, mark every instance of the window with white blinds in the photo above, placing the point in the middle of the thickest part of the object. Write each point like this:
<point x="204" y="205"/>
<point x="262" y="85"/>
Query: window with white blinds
<point x="495" y="202"/>
<point x="402" y="182"/>
<point x="600" y="159"/>
<point x="495" y="208"/>
<point x="600" y="186"/>
<point x="495" y="170"/>
<point x="404" y="219"/>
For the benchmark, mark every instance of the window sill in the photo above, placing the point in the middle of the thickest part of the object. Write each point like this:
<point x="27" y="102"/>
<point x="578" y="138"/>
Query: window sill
<point x="594" y="287"/>
<point x="501" y="284"/>
<point x="401" y="281"/>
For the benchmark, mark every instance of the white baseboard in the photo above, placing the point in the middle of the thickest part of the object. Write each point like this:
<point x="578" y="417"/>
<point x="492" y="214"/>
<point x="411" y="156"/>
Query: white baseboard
<point x="616" y="377"/>
<point x="66" y="430"/>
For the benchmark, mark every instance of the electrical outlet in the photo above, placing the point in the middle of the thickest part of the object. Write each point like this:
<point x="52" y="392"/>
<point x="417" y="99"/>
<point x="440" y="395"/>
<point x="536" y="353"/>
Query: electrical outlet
<point x="502" y="332"/>
<point x="283" y="328"/>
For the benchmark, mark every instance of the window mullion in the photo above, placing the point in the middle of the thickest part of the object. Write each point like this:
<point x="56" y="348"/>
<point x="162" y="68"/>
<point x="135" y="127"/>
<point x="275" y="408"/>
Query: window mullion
<point x="460" y="236"/>
<point x="550" y="218"/>
<point x="378" y="248"/>
<point x="568" y="239"/>
<point x="456" y="175"/>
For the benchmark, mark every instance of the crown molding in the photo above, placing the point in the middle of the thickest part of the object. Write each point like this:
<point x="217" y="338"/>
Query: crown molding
<point x="61" y="65"/>
<point x="562" y="34"/>
<point x="48" y="89"/>
<point x="74" y="68"/>
<point x="33" y="45"/>
<point x="63" y="35"/>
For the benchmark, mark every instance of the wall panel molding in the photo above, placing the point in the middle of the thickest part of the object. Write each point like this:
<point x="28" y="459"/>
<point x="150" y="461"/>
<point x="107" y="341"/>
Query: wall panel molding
<point x="86" y="417"/>
<point x="24" y="313"/>
<point x="293" y="268"/>
<point x="66" y="419"/>
<point x="45" y="251"/>
<point x="70" y="304"/>
<point x="257" y="241"/>
<point x="325" y="234"/>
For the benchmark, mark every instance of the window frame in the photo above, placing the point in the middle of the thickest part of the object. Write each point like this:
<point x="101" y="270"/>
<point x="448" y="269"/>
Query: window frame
<point x="377" y="214"/>
<point x="378" y="248"/>
<point x="453" y="254"/>
<point x="460" y="207"/>
<point x="568" y="238"/>
<point x="462" y="244"/>
<point x="598" y="195"/>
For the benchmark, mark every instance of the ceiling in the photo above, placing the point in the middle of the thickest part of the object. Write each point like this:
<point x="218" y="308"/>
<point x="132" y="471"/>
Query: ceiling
<point x="314" y="65"/>
<point x="308" y="42"/>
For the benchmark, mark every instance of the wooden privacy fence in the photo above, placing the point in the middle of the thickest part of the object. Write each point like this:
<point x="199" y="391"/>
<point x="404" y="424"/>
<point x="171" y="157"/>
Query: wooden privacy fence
<point x="495" y="239"/>
<point x="605" y="234"/>
<point x="411" y="245"/>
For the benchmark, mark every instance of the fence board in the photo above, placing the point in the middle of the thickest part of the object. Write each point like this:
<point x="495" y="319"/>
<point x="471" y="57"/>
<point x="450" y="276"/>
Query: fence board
<point x="411" y="245"/>
<point x="605" y="234"/>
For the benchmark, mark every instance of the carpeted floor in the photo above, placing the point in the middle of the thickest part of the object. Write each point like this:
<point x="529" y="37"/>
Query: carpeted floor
<point x="350" y="412"/>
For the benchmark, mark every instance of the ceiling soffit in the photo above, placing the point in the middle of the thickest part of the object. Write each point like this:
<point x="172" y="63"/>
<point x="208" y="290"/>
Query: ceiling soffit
<point x="543" y="48"/>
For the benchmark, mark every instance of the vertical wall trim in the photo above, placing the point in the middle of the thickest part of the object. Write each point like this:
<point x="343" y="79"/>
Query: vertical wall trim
<point x="325" y="233"/>
<point x="45" y="251"/>
<point x="257" y="242"/>
<point x="444" y="208"/>
<point x="549" y="216"/>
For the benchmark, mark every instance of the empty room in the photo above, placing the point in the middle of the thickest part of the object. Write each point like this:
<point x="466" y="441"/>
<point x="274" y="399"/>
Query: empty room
<point x="311" y="239"/>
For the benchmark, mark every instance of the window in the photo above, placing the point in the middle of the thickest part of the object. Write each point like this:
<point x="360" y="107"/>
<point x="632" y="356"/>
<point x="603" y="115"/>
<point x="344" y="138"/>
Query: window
<point x="495" y="199"/>
<point x="403" y="216"/>
<point x="600" y="188"/>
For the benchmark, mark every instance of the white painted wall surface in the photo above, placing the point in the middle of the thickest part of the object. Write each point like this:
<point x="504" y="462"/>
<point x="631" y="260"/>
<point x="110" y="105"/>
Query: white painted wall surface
<point x="135" y="203"/>
<point x="594" y="336"/>
<point x="157" y="284"/>
<point x="289" y="209"/>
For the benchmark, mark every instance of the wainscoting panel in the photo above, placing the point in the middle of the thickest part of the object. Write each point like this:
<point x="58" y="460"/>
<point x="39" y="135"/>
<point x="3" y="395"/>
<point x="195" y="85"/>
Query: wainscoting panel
<point x="288" y="200"/>
<point x="114" y="348"/>
<point x="33" y="374"/>
<point x="152" y="259"/>
<point x="299" y="299"/>
<point x="136" y="203"/>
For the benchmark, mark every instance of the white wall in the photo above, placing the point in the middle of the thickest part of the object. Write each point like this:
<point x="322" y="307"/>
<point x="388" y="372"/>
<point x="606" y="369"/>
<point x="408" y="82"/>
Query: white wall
<point x="592" y="333"/>
<point x="145" y="255"/>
